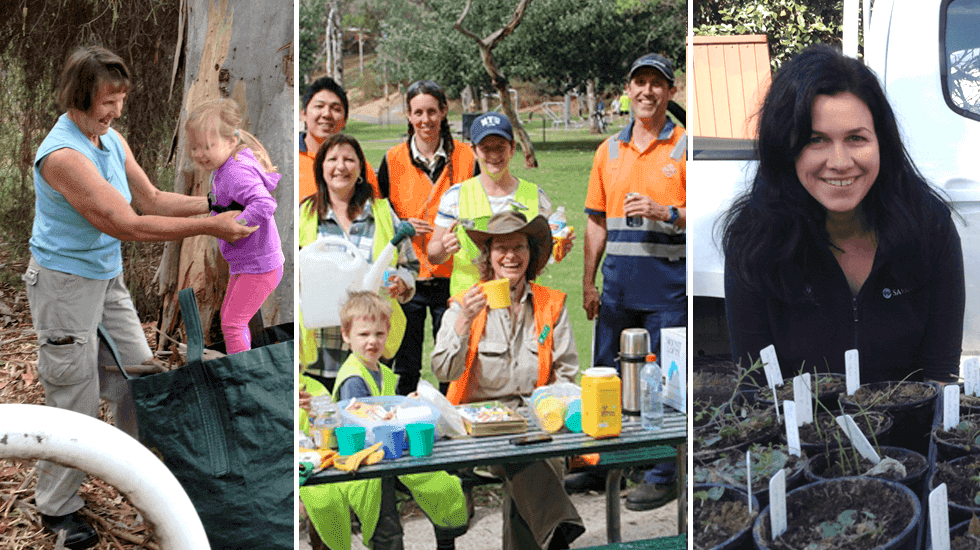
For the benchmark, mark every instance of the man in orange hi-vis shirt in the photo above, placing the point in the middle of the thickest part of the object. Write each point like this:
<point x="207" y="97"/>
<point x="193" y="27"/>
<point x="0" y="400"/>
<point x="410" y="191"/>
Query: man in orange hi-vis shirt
<point x="637" y="215"/>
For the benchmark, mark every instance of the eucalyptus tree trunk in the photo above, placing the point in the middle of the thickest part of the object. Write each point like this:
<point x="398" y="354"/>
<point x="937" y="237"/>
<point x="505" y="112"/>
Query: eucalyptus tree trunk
<point x="244" y="54"/>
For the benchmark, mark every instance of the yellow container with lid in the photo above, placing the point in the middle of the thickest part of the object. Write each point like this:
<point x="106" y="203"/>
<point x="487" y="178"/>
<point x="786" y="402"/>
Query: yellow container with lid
<point x="602" y="413"/>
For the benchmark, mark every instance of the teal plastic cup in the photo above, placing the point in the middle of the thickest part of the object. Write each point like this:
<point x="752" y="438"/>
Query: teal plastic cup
<point x="421" y="438"/>
<point x="573" y="415"/>
<point x="350" y="439"/>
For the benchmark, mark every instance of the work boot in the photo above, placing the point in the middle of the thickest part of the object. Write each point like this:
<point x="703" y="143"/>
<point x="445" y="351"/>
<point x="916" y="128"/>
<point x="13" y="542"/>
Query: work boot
<point x="649" y="496"/>
<point x="78" y="533"/>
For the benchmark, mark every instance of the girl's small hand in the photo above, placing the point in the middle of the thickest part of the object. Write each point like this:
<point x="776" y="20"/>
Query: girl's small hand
<point x="229" y="229"/>
<point x="397" y="288"/>
<point x="567" y="244"/>
<point x="422" y="227"/>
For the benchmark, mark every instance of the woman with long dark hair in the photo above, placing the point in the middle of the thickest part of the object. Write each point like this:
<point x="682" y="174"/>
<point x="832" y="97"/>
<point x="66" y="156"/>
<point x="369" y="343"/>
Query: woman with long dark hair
<point x="413" y="176"/>
<point x="839" y="243"/>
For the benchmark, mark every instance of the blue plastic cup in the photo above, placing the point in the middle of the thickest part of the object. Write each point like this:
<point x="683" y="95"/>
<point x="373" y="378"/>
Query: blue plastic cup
<point x="392" y="439"/>
<point x="421" y="438"/>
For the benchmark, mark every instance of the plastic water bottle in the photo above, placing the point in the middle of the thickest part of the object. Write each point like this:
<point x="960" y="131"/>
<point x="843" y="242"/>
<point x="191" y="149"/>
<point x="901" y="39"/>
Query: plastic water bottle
<point x="651" y="394"/>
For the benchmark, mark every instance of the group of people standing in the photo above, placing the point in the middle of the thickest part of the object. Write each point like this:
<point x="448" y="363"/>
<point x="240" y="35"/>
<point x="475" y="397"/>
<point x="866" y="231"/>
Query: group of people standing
<point x="475" y="221"/>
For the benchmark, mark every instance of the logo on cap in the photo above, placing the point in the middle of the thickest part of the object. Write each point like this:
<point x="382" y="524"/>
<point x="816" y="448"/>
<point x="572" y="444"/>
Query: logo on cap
<point x="490" y="120"/>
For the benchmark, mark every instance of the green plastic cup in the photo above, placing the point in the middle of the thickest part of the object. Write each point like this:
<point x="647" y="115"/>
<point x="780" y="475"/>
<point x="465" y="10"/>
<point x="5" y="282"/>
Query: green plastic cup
<point x="421" y="437"/>
<point x="350" y="439"/>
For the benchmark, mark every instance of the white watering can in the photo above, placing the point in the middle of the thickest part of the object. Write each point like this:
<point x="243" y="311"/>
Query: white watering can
<point x="331" y="266"/>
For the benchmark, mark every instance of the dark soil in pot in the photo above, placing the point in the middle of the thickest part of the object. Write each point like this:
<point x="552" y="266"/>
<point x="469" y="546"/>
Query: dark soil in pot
<point x="721" y="520"/>
<point x="962" y="440"/>
<point x="960" y="539"/>
<point x="827" y="386"/>
<point x="714" y="387"/>
<point x="767" y="461"/>
<point x="962" y="486"/>
<point x="910" y="404"/>
<point x="734" y="431"/>
<point x="850" y="513"/>
<point x="823" y="433"/>
<point x="829" y="466"/>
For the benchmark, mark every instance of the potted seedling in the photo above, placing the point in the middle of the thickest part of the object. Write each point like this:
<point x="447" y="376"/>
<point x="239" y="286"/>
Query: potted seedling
<point x="722" y="517"/>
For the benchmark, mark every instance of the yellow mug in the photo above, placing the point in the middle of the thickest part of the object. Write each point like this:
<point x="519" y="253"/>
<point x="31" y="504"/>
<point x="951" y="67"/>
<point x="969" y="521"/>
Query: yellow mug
<point x="497" y="292"/>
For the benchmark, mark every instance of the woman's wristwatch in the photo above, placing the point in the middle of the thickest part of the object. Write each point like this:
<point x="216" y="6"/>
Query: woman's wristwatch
<point x="674" y="214"/>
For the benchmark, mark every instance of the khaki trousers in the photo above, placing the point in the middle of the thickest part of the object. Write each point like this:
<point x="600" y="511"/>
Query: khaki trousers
<point x="66" y="310"/>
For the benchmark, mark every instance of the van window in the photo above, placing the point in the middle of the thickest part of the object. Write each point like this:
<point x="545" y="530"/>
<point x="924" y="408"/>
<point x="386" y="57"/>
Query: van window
<point x="960" y="20"/>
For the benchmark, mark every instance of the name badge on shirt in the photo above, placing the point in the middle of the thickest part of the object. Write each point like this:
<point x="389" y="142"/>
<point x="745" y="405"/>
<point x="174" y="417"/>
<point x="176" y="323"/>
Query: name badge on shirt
<point x="544" y="334"/>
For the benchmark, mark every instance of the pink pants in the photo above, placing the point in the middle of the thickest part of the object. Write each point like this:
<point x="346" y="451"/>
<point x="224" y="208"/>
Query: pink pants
<point x="245" y="294"/>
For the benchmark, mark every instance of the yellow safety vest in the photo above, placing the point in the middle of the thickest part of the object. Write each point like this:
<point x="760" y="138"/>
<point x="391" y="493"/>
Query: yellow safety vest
<point x="474" y="205"/>
<point x="384" y="231"/>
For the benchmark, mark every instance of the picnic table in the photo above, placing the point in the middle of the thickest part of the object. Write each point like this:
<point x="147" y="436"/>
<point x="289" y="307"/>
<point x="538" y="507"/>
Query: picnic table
<point x="634" y="446"/>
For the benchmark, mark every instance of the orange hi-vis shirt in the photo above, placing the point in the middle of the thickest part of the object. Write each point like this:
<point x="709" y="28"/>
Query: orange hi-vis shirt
<point x="307" y="181"/>
<point x="414" y="195"/>
<point x="644" y="265"/>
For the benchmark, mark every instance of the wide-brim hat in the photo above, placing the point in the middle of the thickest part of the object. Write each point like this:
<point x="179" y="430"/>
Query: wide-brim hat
<point x="505" y="223"/>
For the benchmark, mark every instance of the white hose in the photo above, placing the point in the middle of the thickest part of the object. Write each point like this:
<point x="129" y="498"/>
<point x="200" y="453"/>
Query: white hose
<point x="85" y="443"/>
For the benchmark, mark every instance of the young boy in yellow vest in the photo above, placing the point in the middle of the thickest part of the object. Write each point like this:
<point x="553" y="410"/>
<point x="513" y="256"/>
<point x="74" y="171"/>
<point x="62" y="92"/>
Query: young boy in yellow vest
<point x="365" y="320"/>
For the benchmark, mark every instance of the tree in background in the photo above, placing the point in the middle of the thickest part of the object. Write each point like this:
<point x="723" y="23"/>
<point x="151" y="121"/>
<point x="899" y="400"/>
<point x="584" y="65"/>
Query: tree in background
<point x="245" y="55"/>
<point x="790" y="25"/>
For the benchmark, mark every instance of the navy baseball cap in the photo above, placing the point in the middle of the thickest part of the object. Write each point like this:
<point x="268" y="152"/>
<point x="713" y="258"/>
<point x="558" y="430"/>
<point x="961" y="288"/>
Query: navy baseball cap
<point x="657" y="62"/>
<point x="491" y="124"/>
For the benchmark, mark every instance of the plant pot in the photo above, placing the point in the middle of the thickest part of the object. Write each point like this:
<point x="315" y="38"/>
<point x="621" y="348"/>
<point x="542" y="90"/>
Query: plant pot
<point x="729" y="469"/>
<point x="956" y="443"/>
<point x="829" y="387"/>
<point x="957" y="532"/>
<point x="723" y="524"/>
<point x="960" y="489"/>
<point x="813" y="445"/>
<point x="734" y="432"/>
<point x="810" y="505"/>
<point x="910" y="404"/>
<point x="817" y="468"/>
<point x="714" y="386"/>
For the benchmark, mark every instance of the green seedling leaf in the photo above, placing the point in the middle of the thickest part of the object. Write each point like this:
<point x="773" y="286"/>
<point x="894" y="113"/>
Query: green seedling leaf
<point x="711" y="441"/>
<point x="963" y="426"/>
<point x="974" y="527"/>
<point x="715" y="493"/>
<point x="830" y="529"/>
<point x="847" y="518"/>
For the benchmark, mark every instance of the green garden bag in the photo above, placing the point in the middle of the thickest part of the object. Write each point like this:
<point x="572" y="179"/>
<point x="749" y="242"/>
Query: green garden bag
<point x="224" y="427"/>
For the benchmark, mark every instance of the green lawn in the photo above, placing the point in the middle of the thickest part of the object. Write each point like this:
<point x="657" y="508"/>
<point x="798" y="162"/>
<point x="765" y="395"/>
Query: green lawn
<point x="564" y="163"/>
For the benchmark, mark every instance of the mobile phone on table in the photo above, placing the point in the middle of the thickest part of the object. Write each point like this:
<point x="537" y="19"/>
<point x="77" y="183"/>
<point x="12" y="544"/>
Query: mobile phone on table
<point x="530" y="439"/>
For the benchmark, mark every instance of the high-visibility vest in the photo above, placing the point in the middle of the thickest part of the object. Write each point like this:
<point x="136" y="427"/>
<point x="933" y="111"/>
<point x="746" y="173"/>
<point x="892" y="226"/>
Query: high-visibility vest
<point x="384" y="231"/>
<point x="355" y="367"/>
<point x="547" y="304"/>
<point x="413" y="195"/>
<point x="474" y="205"/>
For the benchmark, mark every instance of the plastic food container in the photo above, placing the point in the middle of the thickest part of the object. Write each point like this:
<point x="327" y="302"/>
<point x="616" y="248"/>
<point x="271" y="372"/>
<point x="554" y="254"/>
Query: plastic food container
<point x="408" y="411"/>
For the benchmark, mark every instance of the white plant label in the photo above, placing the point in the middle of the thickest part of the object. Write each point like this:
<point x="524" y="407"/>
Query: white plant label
<point x="748" y="478"/>
<point x="971" y="376"/>
<point x="852" y="371"/>
<point x="777" y="504"/>
<point x="951" y="406"/>
<point x="803" y="395"/>
<point x="846" y="422"/>
<point x="792" y="428"/>
<point x="771" y="365"/>
<point x="939" y="518"/>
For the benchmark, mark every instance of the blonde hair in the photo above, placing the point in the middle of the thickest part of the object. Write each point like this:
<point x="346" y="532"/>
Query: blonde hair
<point x="223" y="117"/>
<point x="364" y="303"/>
